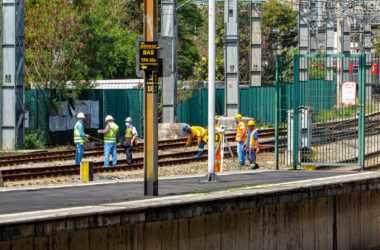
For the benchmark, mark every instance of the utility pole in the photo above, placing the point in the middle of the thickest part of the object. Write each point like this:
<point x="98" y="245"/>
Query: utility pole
<point x="231" y="57"/>
<point x="344" y="45"/>
<point x="255" y="45"/>
<point x="12" y="87"/>
<point x="303" y="41"/>
<point x="168" y="44"/>
<point x="312" y="25"/>
<point x="211" y="88"/>
<point x="150" y="105"/>
<point x="330" y="41"/>
<point x="367" y="46"/>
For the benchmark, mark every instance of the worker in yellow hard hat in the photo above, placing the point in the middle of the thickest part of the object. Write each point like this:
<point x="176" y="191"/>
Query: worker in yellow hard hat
<point x="252" y="144"/>
<point x="241" y="137"/>
<point x="199" y="134"/>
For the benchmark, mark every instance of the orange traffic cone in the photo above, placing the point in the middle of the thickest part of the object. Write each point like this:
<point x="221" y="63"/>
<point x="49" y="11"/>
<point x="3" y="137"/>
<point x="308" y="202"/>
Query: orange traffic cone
<point x="218" y="160"/>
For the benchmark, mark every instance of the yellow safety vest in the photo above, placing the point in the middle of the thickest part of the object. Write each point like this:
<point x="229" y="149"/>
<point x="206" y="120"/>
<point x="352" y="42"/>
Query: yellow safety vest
<point x="77" y="138"/>
<point x="110" y="136"/>
<point x="128" y="133"/>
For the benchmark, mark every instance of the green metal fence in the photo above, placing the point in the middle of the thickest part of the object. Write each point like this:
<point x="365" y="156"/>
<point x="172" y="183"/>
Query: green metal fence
<point x="118" y="103"/>
<point x="325" y="123"/>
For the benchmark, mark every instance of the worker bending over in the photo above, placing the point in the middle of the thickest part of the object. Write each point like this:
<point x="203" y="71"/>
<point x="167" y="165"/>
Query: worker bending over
<point x="79" y="138"/>
<point x="110" y="134"/>
<point x="252" y="144"/>
<point x="199" y="134"/>
<point x="241" y="137"/>
<point x="130" y="137"/>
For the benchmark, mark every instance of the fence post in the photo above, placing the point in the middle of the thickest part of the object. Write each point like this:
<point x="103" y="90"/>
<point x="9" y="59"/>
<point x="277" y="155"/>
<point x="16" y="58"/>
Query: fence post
<point x="296" y="96"/>
<point x="362" y="103"/>
<point x="277" y="111"/>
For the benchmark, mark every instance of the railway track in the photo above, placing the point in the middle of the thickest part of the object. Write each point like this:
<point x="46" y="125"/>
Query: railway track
<point x="69" y="154"/>
<point x="325" y="132"/>
<point x="169" y="159"/>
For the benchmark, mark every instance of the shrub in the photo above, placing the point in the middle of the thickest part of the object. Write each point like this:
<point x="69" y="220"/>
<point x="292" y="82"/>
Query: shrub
<point x="33" y="140"/>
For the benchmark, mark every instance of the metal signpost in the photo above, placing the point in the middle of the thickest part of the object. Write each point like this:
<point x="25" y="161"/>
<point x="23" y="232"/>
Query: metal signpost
<point x="150" y="64"/>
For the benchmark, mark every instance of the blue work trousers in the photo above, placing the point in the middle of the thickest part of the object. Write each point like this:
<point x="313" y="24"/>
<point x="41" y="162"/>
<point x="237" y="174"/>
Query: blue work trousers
<point x="251" y="156"/>
<point x="79" y="152"/>
<point x="241" y="153"/>
<point x="201" y="149"/>
<point x="110" y="149"/>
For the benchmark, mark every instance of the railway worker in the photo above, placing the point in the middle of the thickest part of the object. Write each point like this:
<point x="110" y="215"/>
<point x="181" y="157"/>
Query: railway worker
<point x="130" y="137"/>
<point x="110" y="136"/>
<point x="240" y="138"/>
<point x="199" y="134"/>
<point x="79" y="138"/>
<point x="252" y="144"/>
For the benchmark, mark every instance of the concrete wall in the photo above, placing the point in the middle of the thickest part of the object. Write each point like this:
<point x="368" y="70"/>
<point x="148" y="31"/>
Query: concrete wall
<point x="340" y="216"/>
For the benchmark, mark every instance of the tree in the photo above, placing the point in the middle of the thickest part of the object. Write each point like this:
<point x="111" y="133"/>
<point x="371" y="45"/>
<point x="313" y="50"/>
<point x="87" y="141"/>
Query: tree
<point x="279" y="29"/>
<point x="190" y="21"/>
<point x="109" y="46"/>
<point x="377" y="44"/>
<point x="52" y="43"/>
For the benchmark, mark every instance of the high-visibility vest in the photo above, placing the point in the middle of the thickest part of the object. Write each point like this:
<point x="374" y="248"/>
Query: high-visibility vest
<point x="241" y="132"/>
<point x="128" y="133"/>
<point x="199" y="133"/>
<point x="77" y="138"/>
<point x="110" y="136"/>
<point x="251" y="139"/>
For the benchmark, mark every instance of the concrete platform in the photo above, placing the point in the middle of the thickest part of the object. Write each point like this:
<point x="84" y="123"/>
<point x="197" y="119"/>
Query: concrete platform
<point x="36" y="199"/>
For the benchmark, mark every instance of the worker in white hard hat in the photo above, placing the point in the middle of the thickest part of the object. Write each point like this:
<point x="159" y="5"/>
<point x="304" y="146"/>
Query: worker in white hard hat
<point x="110" y="137"/>
<point x="130" y="139"/>
<point x="79" y="138"/>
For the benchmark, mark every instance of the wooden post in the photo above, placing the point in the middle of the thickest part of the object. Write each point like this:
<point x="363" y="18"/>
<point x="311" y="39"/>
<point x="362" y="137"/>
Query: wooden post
<point x="150" y="106"/>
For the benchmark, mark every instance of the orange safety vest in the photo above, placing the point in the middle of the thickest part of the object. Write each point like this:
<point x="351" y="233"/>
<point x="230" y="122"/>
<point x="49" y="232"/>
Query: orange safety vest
<point x="241" y="132"/>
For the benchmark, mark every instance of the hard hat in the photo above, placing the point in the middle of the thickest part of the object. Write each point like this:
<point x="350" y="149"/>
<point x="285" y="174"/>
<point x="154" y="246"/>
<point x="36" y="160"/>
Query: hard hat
<point x="80" y="115"/>
<point x="109" y="118"/>
<point x="238" y="117"/>
<point x="186" y="129"/>
<point x="251" y="123"/>
<point x="128" y="119"/>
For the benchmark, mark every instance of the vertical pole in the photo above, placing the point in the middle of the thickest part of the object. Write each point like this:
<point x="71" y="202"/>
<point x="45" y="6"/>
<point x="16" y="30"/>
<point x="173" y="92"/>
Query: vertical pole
<point x="362" y="76"/>
<point x="150" y="106"/>
<point x="255" y="45"/>
<point x="303" y="41"/>
<point x="169" y="80"/>
<point x="12" y="98"/>
<point x="367" y="44"/>
<point x="211" y="88"/>
<point x="296" y="96"/>
<point x="231" y="57"/>
<point x="277" y="111"/>
<point x="330" y="35"/>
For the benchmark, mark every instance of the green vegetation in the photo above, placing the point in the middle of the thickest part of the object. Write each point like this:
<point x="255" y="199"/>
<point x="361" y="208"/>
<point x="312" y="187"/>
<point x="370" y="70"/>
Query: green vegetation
<point x="279" y="33"/>
<point x="279" y="30"/>
<point x="34" y="140"/>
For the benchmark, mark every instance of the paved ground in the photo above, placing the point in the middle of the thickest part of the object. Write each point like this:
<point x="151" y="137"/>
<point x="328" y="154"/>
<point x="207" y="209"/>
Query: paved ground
<point x="41" y="199"/>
